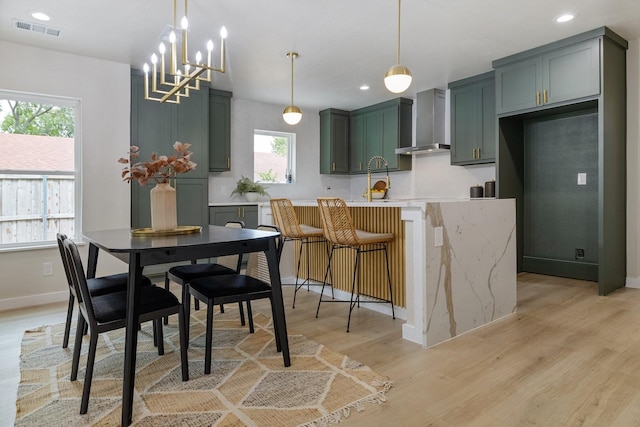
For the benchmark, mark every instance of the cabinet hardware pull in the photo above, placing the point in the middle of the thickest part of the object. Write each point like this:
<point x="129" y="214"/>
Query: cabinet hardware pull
<point x="228" y="162"/>
<point x="537" y="98"/>
<point x="360" y="165"/>
<point x="333" y="166"/>
<point x="473" y="154"/>
<point x="238" y="210"/>
<point x="242" y="212"/>
<point x="479" y="155"/>
<point x="544" y="97"/>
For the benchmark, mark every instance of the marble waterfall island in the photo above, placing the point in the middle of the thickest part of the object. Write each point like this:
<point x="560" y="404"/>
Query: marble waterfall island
<point x="453" y="261"/>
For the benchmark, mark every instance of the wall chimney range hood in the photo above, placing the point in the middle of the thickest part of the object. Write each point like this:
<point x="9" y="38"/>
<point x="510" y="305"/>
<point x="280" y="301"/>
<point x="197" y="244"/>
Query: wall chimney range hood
<point x="430" y="123"/>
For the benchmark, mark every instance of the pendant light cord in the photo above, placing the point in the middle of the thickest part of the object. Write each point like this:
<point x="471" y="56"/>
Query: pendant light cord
<point x="292" y="55"/>
<point x="398" y="54"/>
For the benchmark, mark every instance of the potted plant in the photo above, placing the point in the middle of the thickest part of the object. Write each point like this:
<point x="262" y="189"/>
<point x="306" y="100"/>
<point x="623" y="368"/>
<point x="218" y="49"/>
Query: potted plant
<point x="250" y="189"/>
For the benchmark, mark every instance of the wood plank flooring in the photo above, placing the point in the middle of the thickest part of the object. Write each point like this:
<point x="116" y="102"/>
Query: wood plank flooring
<point x="567" y="357"/>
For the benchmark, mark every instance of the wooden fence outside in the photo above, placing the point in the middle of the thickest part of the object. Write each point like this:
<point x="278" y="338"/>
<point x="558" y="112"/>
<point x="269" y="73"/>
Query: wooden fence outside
<point x="34" y="207"/>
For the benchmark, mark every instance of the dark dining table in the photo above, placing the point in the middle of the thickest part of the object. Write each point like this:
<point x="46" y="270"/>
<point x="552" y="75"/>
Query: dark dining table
<point x="140" y="251"/>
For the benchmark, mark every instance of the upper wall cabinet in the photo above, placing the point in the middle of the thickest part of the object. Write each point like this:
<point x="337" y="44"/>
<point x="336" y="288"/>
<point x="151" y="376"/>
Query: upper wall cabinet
<point x="473" y="114"/>
<point x="377" y="131"/>
<point x="155" y="127"/>
<point x="219" y="130"/>
<point x="537" y="79"/>
<point x="334" y="141"/>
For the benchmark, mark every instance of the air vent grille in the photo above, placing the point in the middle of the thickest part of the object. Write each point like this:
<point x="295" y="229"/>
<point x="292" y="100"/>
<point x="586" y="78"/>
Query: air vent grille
<point x="35" y="28"/>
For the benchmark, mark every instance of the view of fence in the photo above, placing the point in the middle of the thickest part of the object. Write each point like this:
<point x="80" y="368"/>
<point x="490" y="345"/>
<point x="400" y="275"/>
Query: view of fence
<point x="34" y="207"/>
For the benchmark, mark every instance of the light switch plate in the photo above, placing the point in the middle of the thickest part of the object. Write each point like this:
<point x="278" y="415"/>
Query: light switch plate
<point x="439" y="236"/>
<point x="582" y="179"/>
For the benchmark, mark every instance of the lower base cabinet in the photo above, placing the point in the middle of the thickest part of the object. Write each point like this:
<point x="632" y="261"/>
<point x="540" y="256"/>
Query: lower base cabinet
<point x="220" y="215"/>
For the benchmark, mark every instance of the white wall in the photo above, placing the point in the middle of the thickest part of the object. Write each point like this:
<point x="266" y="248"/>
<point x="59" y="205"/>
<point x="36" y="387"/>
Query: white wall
<point x="104" y="92"/>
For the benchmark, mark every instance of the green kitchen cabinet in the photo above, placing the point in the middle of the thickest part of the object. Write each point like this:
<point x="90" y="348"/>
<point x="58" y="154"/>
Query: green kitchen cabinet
<point x="220" y="215"/>
<point x="219" y="130"/>
<point x="378" y="130"/>
<point x="155" y="127"/>
<point x="549" y="76"/>
<point x="334" y="141"/>
<point x="473" y="115"/>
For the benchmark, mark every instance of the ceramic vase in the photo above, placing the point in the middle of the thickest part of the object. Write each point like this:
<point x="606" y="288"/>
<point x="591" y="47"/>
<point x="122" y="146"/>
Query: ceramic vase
<point x="163" y="207"/>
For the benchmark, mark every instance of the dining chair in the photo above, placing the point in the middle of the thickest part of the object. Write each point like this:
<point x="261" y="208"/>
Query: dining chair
<point x="253" y="284"/>
<point x="285" y="217"/>
<point x="184" y="274"/>
<point x="104" y="313"/>
<point x="340" y="231"/>
<point x="97" y="286"/>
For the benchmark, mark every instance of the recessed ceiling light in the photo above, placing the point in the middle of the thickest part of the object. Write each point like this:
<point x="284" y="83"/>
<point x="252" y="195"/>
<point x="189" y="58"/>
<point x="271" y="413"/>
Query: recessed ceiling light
<point x="364" y="87"/>
<point x="41" y="16"/>
<point x="565" y="17"/>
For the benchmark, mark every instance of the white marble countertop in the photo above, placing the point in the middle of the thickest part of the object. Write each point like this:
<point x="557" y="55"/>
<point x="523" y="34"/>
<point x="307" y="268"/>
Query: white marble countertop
<point x="402" y="203"/>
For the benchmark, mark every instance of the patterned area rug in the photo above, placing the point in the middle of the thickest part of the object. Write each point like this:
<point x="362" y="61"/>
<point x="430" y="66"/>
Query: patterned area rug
<point x="248" y="384"/>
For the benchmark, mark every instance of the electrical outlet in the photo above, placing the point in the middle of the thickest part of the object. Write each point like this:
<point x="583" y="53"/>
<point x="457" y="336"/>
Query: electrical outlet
<point x="582" y="178"/>
<point x="439" y="236"/>
<point x="47" y="269"/>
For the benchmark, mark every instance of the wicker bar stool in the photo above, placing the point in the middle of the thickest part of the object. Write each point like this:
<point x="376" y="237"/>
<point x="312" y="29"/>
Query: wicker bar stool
<point x="339" y="229"/>
<point x="287" y="221"/>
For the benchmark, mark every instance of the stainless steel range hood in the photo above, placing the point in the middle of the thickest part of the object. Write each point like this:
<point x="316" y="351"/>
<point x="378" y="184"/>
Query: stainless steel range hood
<point x="430" y="123"/>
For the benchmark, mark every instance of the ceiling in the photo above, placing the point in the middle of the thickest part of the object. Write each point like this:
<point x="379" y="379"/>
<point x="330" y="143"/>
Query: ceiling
<point x="342" y="44"/>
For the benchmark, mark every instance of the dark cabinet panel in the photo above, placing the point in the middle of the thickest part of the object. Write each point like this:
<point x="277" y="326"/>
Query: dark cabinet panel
<point x="473" y="114"/>
<point x="219" y="131"/>
<point x="334" y="141"/>
<point x="220" y="215"/>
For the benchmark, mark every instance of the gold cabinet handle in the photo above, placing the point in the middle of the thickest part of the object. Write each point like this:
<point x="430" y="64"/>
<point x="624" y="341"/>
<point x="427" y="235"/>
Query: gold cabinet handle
<point x="229" y="162"/>
<point x="333" y="166"/>
<point x="242" y="212"/>
<point x="544" y="97"/>
<point x="479" y="155"/>
<point x="537" y="98"/>
<point x="238" y="211"/>
<point x="473" y="154"/>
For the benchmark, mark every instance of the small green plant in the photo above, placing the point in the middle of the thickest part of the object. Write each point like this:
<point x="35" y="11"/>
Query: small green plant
<point x="270" y="176"/>
<point x="245" y="185"/>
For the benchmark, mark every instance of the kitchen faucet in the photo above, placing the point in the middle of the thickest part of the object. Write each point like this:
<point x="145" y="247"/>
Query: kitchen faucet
<point x="386" y="165"/>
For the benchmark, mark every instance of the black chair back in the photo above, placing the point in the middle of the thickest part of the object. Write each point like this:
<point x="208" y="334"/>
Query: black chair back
<point x="79" y="281"/>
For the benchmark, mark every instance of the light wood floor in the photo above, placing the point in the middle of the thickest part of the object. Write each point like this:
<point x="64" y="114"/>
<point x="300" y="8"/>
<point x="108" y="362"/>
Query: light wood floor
<point x="568" y="357"/>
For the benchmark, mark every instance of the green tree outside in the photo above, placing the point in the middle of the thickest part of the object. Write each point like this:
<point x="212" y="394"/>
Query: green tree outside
<point x="279" y="146"/>
<point x="27" y="118"/>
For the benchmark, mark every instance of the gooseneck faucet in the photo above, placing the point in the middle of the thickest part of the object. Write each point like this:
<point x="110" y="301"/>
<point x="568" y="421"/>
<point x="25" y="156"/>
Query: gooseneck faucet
<point x="386" y="165"/>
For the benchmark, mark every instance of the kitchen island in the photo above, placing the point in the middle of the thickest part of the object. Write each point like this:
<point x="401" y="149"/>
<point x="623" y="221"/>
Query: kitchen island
<point x="453" y="262"/>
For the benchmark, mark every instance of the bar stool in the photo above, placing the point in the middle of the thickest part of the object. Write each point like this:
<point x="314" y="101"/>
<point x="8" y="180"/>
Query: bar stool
<point x="339" y="229"/>
<point x="287" y="221"/>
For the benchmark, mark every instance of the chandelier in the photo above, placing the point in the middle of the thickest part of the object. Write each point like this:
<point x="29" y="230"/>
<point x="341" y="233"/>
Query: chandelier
<point x="194" y="71"/>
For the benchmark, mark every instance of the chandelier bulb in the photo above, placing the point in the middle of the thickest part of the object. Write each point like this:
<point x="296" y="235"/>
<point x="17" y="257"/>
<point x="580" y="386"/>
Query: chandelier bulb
<point x="162" y="49"/>
<point x="184" y="23"/>
<point x="210" y="45"/>
<point x="172" y="37"/>
<point x="145" y="67"/>
<point x="154" y="59"/>
<point x="223" y="32"/>
<point x="198" y="57"/>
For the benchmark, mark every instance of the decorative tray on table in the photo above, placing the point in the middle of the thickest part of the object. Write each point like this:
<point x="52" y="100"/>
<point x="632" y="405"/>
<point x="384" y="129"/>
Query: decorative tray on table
<point x="181" y="229"/>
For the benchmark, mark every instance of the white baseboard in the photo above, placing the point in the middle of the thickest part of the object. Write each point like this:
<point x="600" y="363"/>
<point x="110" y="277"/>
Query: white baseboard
<point x="633" y="282"/>
<point x="33" y="300"/>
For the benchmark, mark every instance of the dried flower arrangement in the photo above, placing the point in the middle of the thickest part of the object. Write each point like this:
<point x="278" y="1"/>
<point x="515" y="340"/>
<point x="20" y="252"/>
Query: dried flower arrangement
<point x="159" y="168"/>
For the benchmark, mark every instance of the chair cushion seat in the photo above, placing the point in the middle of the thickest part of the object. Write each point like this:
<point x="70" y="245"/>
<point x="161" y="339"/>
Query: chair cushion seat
<point x="188" y="273"/>
<point x="112" y="283"/>
<point x="310" y="231"/>
<point x="223" y="286"/>
<point x="366" y="237"/>
<point x="113" y="306"/>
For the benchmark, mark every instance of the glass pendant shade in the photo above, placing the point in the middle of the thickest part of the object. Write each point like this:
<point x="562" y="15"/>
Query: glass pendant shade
<point x="292" y="115"/>
<point x="398" y="79"/>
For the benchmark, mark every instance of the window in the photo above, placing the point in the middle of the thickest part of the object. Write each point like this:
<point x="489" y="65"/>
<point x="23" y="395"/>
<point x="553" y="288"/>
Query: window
<point x="39" y="190"/>
<point x="274" y="156"/>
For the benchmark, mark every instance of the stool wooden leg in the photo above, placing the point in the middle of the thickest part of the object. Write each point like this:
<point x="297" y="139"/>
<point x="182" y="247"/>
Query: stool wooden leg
<point x="324" y="281"/>
<point x="353" y="287"/>
<point x="386" y="256"/>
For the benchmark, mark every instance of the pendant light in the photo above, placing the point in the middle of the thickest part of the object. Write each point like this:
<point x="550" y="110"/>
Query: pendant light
<point x="292" y="114"/>
<point x="398" y="78"/>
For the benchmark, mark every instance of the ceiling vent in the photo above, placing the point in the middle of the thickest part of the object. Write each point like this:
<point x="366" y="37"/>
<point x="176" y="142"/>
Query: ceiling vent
<point x="36" y="28"/>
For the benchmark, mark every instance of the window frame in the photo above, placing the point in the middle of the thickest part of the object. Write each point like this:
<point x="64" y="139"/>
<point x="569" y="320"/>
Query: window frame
<point x="291" y="151"/>
<point x="59" y="101"/>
